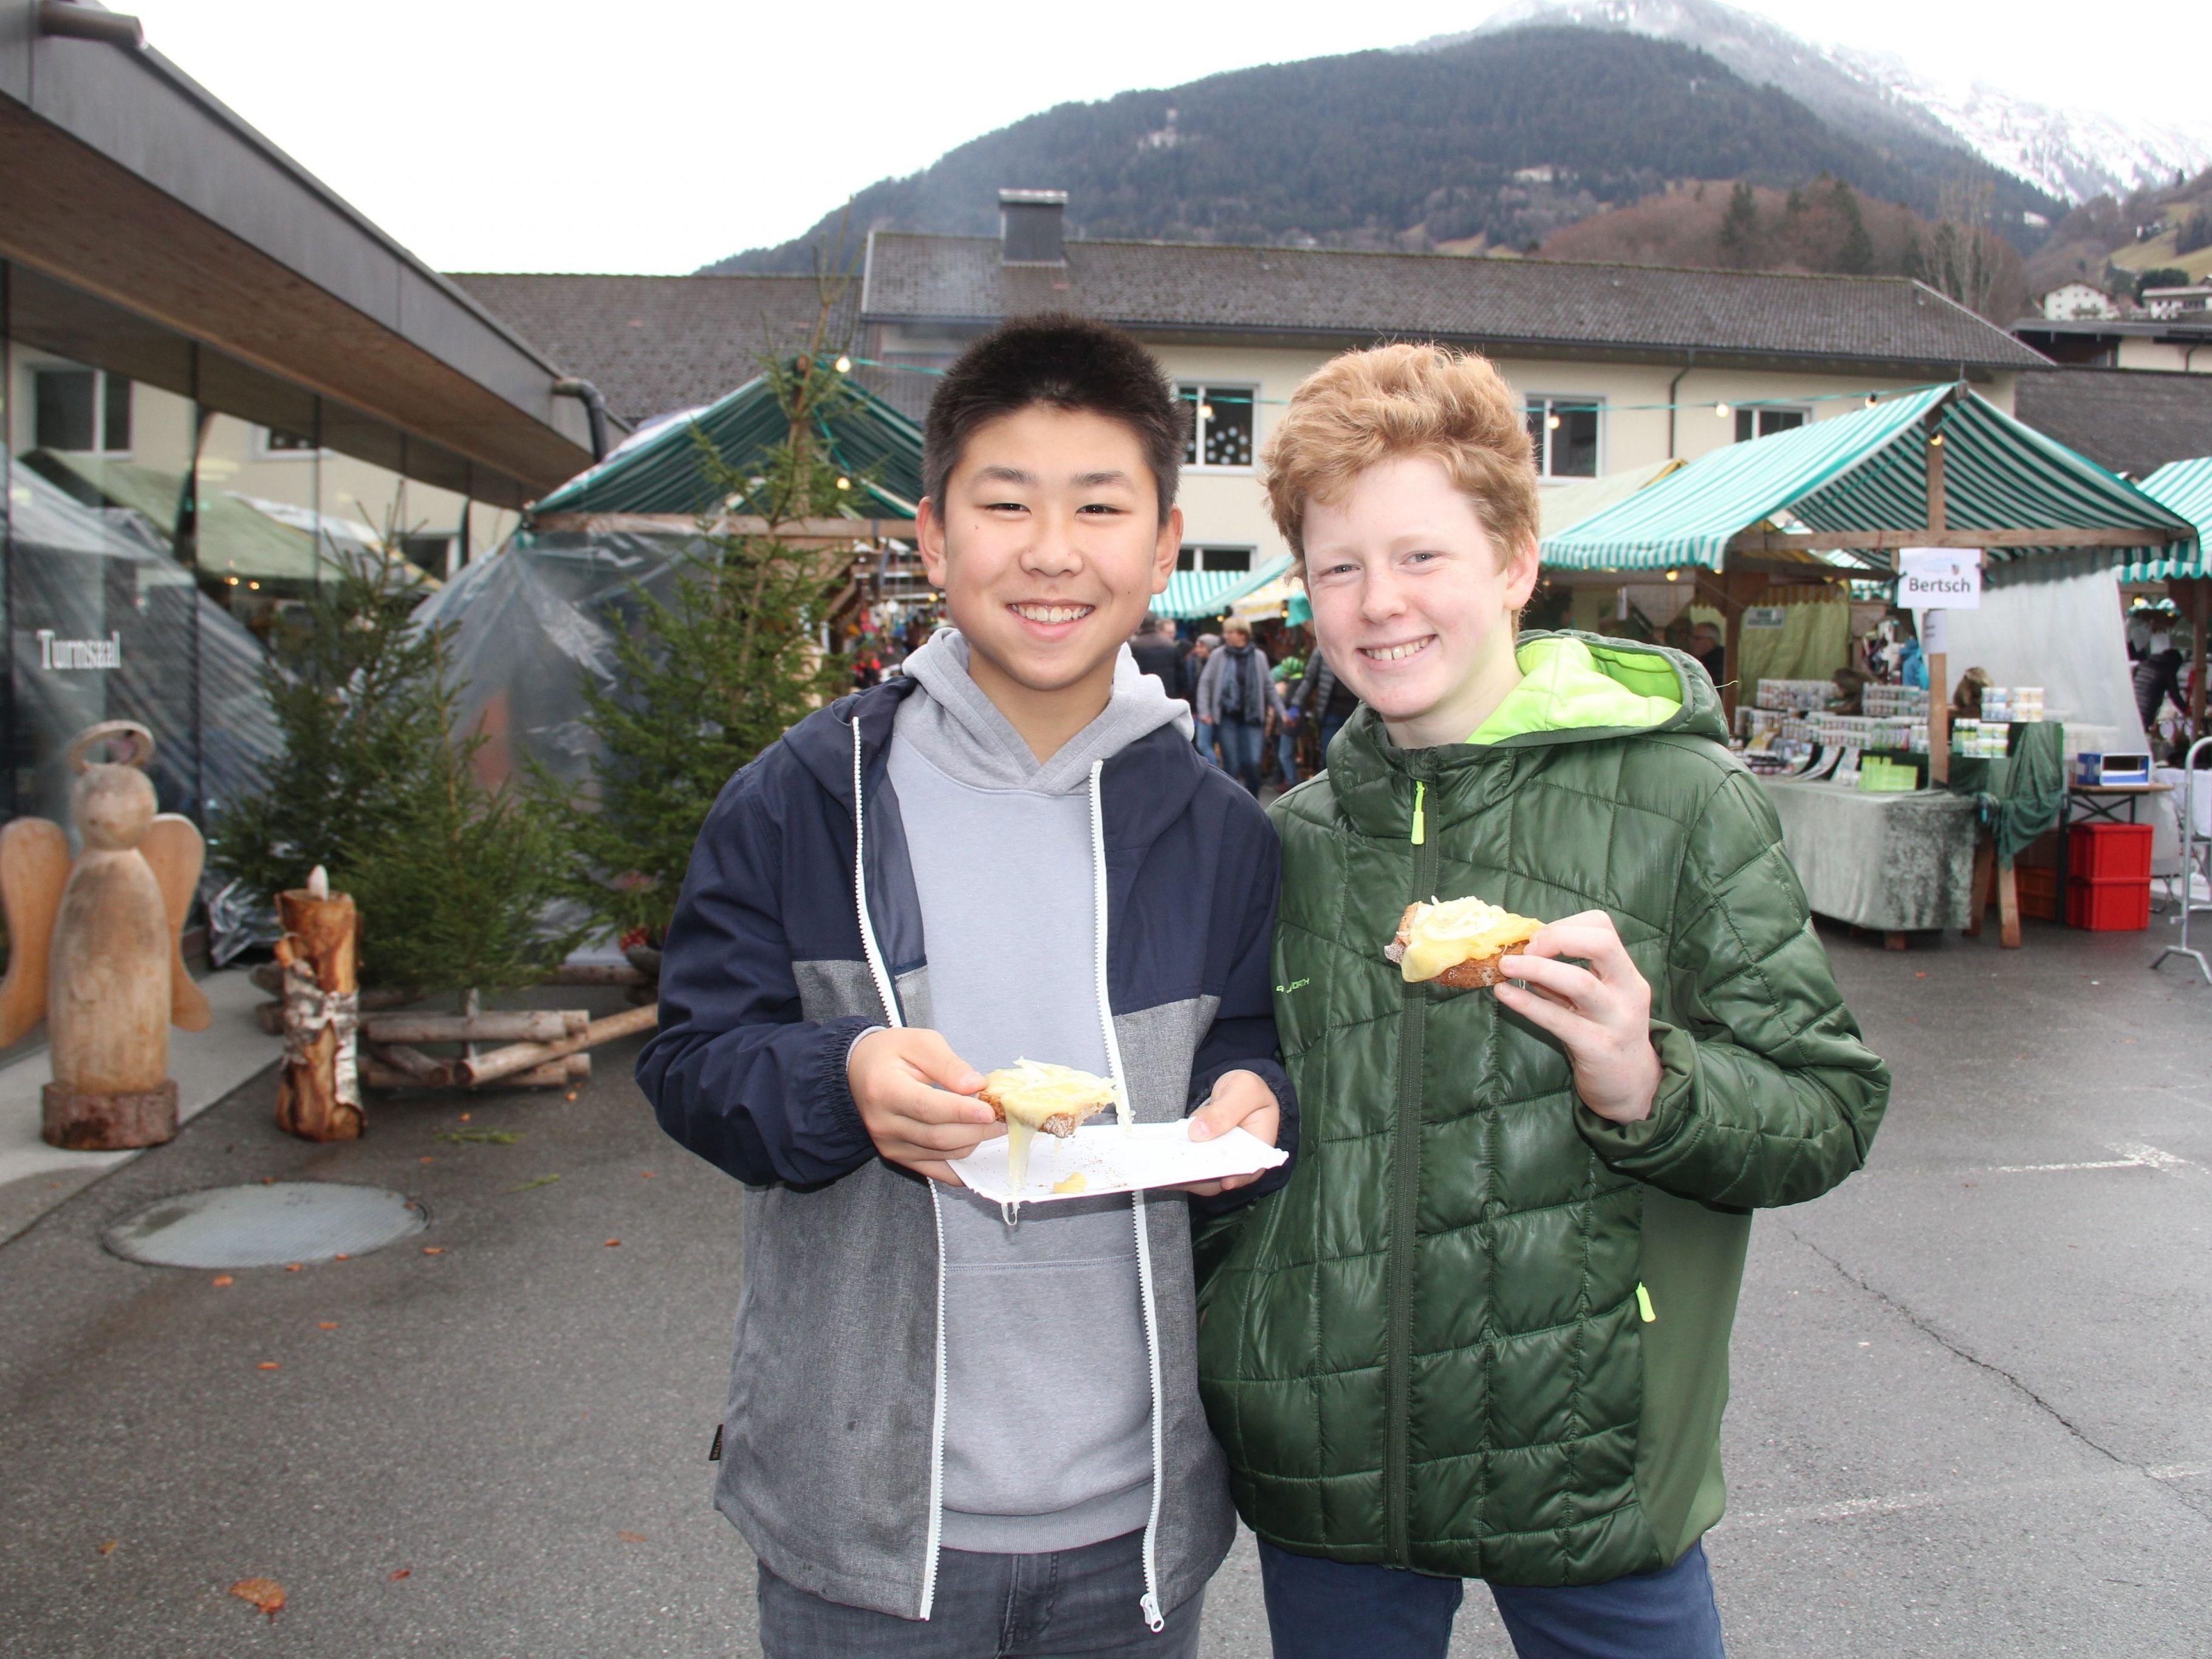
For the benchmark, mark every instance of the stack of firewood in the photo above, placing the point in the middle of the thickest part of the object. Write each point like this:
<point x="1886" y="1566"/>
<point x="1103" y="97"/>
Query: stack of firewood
<point x="541" y="1048"/>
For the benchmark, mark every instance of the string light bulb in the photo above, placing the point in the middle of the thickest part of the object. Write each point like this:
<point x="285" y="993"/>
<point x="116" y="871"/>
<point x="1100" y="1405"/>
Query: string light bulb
<point x="1673" y="575"/>
<point x="1723" y="410"/>
<point x="1551" y="423"/>
<point x="1935" y="442"/>
<point x="844" y="365"/>
<point x="844" y="483"/>
<point x="1869" y="402"/>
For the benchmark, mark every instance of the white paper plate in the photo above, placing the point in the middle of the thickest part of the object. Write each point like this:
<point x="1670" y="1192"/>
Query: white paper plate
<point x="1112" y="1159"/>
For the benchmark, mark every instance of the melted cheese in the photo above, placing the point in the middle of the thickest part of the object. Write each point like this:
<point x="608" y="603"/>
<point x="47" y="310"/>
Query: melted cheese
<point x="1029" y="1093"/>
<point x="1443" y="936"/>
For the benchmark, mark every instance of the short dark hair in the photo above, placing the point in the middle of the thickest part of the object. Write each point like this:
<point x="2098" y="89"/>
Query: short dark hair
<point x="1066" y="362"/>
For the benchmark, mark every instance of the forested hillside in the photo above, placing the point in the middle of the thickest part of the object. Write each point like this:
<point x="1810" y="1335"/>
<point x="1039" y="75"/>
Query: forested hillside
<point x="1499" y="141"/>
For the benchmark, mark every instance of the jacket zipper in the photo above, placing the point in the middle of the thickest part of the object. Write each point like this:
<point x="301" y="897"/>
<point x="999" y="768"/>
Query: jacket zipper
<point x="1150" y="1602"/>
<point x="882" y="976"/>
<point x="1406" y="1190"/>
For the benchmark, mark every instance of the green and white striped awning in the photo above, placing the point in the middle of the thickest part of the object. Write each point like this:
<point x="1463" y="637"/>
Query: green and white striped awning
<point x="1867" y="471"/>
<point x="659" y="470"/>
<point x="1195" y="593"/>
<point x="2186" y="487"/>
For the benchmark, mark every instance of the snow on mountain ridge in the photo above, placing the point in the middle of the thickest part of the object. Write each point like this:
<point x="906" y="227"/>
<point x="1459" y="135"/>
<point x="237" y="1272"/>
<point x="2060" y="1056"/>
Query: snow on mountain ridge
<point x="2072" y="154"/>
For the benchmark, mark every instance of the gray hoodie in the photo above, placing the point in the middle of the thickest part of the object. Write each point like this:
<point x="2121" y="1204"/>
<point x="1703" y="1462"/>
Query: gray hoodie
<point x="1047" y="1413"/>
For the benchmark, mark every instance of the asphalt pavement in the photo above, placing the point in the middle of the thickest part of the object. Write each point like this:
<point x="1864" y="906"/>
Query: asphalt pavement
<point x="1972" y="1411"/>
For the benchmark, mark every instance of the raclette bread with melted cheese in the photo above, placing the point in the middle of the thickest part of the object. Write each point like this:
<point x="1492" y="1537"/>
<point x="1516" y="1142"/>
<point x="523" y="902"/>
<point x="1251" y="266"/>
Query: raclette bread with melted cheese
<point x="1457" y="943"/>
<point x="1038" y="1095"/>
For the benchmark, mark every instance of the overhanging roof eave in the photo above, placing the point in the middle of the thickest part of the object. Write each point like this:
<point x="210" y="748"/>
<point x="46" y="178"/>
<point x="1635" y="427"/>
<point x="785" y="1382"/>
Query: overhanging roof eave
<point x="1521" y="345"/>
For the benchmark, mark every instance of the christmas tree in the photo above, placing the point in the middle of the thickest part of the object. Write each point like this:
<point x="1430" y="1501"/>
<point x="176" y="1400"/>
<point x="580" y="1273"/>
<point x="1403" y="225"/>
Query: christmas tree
<point x="348" y="676"/>
<point x="715" y="672"/>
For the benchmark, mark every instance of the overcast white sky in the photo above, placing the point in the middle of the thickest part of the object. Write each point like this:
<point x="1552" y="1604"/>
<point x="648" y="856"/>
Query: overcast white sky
<point x="492" y="134"/>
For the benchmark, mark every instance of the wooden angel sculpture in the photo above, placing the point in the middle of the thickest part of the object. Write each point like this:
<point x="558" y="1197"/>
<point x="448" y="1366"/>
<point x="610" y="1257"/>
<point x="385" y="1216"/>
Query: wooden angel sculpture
<point x="94" y="948"/>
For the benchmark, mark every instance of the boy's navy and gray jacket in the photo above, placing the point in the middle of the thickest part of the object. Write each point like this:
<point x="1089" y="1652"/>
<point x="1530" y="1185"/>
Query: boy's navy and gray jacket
<point x="799" y="929"/>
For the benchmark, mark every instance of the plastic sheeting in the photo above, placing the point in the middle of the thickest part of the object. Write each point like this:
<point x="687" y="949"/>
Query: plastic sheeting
<point x="181" y="664"/>
<point x="2067" y="635"/>
<point x="535" y="618"/>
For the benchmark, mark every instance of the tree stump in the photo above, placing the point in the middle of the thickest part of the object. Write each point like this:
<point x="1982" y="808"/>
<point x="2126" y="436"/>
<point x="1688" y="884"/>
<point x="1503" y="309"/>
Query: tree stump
<point x="320" y="1096"/>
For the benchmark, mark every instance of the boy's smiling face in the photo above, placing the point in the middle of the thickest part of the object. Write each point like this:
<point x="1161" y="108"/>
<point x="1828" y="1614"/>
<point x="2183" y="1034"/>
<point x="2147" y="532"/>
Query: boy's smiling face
<point x="1413" y="601"/>
<point x="1049" y="545"/>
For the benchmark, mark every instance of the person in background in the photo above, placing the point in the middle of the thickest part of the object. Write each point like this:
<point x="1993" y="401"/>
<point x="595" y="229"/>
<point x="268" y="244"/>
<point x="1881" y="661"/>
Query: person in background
<point x="1849" y="694"/>
<point x="1705" y="646"/>
<point x="1323" y="697"/>
<point x="1966" y="700"/>
<point x="1283" y="724"/>
<point x="1154" y="647"/>
<point x="1232" y="700"/>
<point x="1194" y="670"/>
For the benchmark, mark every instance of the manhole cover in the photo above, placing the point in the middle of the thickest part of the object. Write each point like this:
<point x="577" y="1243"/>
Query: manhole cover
<point x="265" y="1226"/>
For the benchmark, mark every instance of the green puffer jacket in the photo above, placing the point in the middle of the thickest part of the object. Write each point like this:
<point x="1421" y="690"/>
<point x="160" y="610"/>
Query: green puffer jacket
<point x="1484" y="1332"/>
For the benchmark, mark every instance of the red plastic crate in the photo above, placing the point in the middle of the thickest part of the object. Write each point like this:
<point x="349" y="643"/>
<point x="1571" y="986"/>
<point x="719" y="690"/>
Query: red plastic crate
<point x="2108" y="907"/>
<point x="2110" y="852"/>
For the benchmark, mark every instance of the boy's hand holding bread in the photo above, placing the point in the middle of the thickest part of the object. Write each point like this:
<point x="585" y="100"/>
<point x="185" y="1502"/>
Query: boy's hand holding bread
<point x="917" y="1100"/>
<point x="1601" y="1013"/>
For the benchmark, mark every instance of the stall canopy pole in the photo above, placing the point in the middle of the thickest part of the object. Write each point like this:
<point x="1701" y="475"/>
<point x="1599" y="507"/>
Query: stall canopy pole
<point x="1939" y="688"/>
<point x="2200" y="601"/>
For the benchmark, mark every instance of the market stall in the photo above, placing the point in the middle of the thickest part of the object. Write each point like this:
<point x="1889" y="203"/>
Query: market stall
<point x="1828" y="510"/>
<point x="540" y="616"/>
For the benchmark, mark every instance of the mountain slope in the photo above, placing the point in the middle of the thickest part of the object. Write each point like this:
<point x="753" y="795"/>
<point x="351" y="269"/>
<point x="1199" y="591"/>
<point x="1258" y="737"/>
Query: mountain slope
<point x="1495" y="141"/>
<point x="2072" y="155"/>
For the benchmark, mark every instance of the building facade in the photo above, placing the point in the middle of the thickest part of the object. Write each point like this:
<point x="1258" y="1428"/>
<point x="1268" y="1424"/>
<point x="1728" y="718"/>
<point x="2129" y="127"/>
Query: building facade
<point x="217" y="382"/>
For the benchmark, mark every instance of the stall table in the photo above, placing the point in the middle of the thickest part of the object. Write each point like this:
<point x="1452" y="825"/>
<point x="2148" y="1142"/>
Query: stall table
<point x="1894" y="863"/>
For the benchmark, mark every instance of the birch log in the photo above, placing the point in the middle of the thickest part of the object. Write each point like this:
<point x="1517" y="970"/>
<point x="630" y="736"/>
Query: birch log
<point x="320" y="1097"/>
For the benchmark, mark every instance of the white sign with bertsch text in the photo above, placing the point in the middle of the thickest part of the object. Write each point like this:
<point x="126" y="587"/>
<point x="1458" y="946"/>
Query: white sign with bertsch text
<point x="1939" y="578"/>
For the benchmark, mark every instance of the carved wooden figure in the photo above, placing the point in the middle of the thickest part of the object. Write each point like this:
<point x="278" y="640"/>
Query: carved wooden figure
<point x="95" y="948"/>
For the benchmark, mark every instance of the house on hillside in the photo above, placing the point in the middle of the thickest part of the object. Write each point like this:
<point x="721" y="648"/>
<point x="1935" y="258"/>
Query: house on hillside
<point x="2192" y="299"/>
<point x="2070" y="300"/>
<point x="1620" y="365"/>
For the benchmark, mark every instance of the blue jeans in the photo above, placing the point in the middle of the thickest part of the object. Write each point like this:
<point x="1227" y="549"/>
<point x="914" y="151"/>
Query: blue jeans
<point x="1242" y="743"/>
<point x="1322" y="1609"/>
<point x="1205" y="742"/>
<point x="1286" y="755"/>
<point x="993" y="1606"/>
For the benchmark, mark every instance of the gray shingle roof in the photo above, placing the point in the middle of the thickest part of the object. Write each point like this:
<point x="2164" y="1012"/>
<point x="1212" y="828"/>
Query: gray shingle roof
<point x="1523" y="303"/>
<point x="654" y="344"/>
<point x="2131" y="420"/>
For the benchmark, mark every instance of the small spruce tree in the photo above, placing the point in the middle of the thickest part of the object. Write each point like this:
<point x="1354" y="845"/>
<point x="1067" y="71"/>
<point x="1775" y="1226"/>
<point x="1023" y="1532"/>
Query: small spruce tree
<point x="456" y="897"/>
<point x="349" y="677"/>
<point x="716" y="671"/>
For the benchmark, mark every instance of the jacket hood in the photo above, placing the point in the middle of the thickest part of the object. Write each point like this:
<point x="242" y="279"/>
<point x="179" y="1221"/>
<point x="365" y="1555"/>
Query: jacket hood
<point x="1577" y="682"/>
<point x="1576" y="689"/>
<point x="963" y="735"/>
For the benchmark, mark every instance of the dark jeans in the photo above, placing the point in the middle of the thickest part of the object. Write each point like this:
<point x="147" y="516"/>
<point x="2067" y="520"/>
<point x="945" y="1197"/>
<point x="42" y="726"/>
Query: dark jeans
<point x="1074" y="1603"/>
<point x="1330" y="726"/>
<point x="1242" y="742"/>
<point x="1320" y="1610"/>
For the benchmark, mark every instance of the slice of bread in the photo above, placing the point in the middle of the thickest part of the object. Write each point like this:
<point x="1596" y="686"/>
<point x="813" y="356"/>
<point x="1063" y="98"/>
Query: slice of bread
<point x="1467" y="936"/>
<point x="1054" y="1098"/>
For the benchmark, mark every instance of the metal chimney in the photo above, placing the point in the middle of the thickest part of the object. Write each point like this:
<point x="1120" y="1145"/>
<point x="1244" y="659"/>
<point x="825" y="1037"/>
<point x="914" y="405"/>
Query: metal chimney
<point x="1032" y="225"/>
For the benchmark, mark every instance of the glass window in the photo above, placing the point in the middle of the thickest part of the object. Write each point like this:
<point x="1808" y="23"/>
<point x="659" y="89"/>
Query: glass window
<point x="1563" y="433"/>
<point x="1214" y="558"/>
<point x="1221" y="424"/>
<point x="1761" y="421"/>
<point x="64" y="399"/>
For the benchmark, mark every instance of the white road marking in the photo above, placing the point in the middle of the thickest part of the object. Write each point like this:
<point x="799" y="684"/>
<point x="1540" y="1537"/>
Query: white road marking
<point x="2132" y="1156"/>
<point x="1855" y="1509"/>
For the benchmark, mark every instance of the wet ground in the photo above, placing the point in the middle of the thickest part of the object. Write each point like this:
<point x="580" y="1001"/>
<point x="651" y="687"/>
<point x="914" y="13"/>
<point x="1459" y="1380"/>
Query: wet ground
<point x="1972" y="1409"/>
